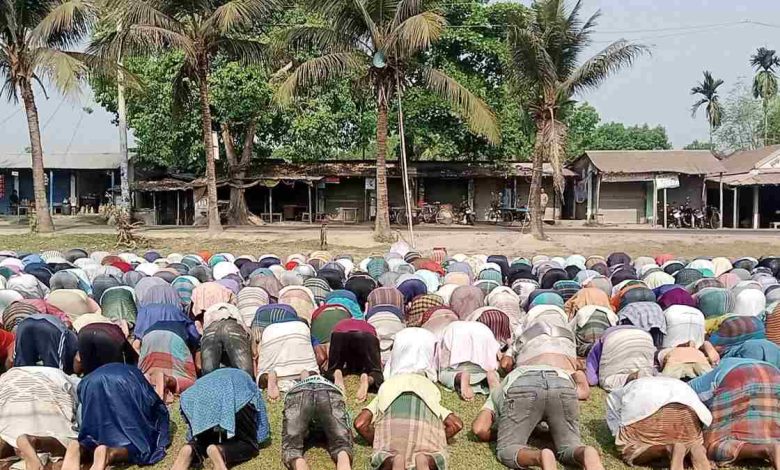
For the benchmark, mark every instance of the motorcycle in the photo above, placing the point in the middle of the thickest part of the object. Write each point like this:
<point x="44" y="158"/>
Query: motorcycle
<point x="465" y="215"/>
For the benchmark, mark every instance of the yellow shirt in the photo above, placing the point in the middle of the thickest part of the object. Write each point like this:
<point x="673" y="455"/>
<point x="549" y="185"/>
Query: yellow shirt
<point x="396" y="385"/>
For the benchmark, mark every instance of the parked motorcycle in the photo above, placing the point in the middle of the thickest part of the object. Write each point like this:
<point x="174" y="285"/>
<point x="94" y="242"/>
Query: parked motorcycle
<point x="465" y="215"/>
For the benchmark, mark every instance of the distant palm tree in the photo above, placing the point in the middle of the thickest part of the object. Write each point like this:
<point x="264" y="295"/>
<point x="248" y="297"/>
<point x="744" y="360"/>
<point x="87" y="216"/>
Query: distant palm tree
<point x="35" y="38"/>
<point x="200" y="30"/>
<point x="765" y="82"/>
<point x="377" y="43"/>
<point x="544" y="50"/>
<point x="708" y="90"/>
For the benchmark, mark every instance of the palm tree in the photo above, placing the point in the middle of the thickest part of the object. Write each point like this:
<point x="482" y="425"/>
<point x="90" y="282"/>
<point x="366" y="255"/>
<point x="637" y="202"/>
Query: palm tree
<point x="199" y="30"/>
<point x="35" y="38"/>
<point x="376" y="44"/>
<point x="765" y="82"/>
<point x="544" y="49"/>
<point x="708" y="90"/>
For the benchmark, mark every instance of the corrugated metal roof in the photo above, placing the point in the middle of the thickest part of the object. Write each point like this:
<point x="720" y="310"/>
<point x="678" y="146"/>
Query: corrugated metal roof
<point x="741" y="162"/>
<point x="61" y="161"/>
<point x="688" y="162"/>
<point x="751" y="178"/>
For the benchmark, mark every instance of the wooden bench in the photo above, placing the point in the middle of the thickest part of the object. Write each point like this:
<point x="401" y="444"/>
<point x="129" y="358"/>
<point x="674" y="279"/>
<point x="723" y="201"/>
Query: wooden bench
<point x="776" y="225"/>
<point x="274" y="216"/>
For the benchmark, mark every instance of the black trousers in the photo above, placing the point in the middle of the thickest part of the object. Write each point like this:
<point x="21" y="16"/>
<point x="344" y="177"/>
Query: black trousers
<point x="239" y="448"/>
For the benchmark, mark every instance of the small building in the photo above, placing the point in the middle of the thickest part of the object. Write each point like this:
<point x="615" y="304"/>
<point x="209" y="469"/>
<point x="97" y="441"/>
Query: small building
<point x="635" y="187"/>
<point x="346" y="190"/>
<point x="80" y="178"/>
<point x="750" y="184"/>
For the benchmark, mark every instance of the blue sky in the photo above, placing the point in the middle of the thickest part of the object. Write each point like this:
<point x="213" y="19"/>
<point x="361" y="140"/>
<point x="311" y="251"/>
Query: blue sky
<point x="686" y="37"/>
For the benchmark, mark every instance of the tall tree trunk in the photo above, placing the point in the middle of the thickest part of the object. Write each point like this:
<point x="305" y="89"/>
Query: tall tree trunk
<point x="238" y="213"/>
<point x="215" y="226"/>
<point x="44" y="222"/>
<point x="382" y="225"/>
<point x="535" y="202"/>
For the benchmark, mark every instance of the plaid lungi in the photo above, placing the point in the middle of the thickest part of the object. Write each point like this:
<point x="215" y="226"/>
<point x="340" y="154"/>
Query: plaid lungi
<point x="673" y="423"/>
<point x="745" y="410"/>
<point x="409" y="428"/>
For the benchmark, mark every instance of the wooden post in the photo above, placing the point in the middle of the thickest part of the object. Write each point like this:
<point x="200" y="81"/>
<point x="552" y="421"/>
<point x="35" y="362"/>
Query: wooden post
<point x="736" y="207"/>
<point x="154" y="206"/>
<point x="310" y="218"/>
<point x="704" y="194"/>
<point x="721" y="200"/>
<point x="666" y="223"/>
<point x="178" y="207"/>
<point x="756" y="215"/>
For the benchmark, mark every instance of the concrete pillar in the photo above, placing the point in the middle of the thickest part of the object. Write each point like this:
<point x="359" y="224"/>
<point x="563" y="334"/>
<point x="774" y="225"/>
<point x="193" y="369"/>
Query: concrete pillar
<point x="51" y="190"/>
<point x="589" y="184"/>
<point x="666" y="223"/>
<point x="721" y="200"/>
<point x="655" y="203"/>
<point x="756" y="215"/>
<point x="73" y="187"/>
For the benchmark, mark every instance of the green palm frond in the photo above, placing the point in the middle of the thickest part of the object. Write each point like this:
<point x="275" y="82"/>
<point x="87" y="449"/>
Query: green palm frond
<point x="479" y="116"/>
<point x="64" y="69"/>
<point x="416" y="34"/>
<point x="697" y="105"/>
<point x="613" y="58"/>
<point x="528" y="56"/>
<point x="235" y="14"/>
<point x="321" y="38"/>
<point x="66" y="24"/>
<point x="320" y="70"/>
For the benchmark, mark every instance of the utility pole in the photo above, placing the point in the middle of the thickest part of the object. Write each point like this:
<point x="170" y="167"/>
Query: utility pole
<point x="122" y="105"/>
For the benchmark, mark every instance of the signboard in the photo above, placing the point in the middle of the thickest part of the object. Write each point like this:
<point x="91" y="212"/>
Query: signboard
<point x="370" y="184"/>
<point x="667" y="182"/>
<point x="332" y="179"/>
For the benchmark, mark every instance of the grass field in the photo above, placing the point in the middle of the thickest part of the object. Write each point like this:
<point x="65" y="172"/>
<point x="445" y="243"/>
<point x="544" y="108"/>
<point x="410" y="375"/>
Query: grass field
<point x="465" y="452"/>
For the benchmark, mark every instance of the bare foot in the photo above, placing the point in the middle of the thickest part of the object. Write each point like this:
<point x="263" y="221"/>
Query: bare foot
<point x="72" y="456"/>
<point x="399" y="463"/>
<point x="28" y="453"/>
<point x="157" y="380"/>
<point x="591" y="460"/>
<point x="217" y="462"/>
<point x="300" y="464"/>
<point x="342" y="461"/>
<point x="362" y="391"/>
<point x="548" y="460"/>
<point x="678" y="457"/>
<point x="493" y="379"/>
<point x="273" y="387"/>
<point x="423" y="462"/>
<point x="305" y="375"/>
<point x="99" y="461"/>
<point x="338" y="380"/>
<point x="775" y="457"/>
<point x="699" y="458"/>
<point x="184" y="459"/>
<point x="466" y="392"/>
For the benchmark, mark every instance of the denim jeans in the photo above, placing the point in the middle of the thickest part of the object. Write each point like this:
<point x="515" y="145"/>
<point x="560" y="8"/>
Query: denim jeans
<point x="317" y="407"/>
<point x="226" y="343"/>
<point x="531" y="399"/>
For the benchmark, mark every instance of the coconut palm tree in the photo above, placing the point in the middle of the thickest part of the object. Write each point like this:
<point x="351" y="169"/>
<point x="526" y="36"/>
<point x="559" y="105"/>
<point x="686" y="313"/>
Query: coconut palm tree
<point x="35" y="41"/>
<point x="199" y="30"/>
<point x="765" y="82"/>
<point x="708" y="90"/>
<point x="544" y="50"/>
<point x="376" y="43"/>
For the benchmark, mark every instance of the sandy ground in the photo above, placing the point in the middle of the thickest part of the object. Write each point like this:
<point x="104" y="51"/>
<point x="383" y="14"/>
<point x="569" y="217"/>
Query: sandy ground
<point x="358" y="240"/>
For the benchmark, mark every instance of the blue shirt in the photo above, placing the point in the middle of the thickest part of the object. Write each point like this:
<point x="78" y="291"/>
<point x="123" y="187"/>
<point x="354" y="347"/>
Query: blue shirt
<point x="214" y="400"/>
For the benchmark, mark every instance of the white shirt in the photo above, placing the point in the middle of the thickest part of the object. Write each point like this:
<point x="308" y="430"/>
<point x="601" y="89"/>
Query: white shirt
<point x="643" y="397"/>
<point x="683" y="324"/>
